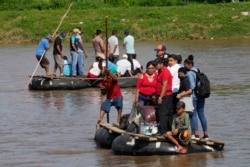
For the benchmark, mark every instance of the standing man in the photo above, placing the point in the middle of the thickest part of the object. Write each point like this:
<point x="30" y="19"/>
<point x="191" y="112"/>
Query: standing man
<point x="74" y="50"/>
<point x="173" y="67"/>
<point x="161" y="52"/>
<point x="98" y="43"/>
<point x="41" y="49"/>
<point x="113" y="47"/>
<point x="164" y="113"/>
<point x="128" y="44"/>
<point x="81" y="53"/>
<point x="58" y="54"/>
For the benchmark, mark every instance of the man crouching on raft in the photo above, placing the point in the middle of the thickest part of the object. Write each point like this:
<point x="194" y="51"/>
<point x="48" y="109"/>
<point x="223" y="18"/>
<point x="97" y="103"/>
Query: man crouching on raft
<point x="180" y="129"/>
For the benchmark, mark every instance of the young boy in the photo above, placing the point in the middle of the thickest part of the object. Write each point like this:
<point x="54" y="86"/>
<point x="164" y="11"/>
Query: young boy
<point x="180" y="125"/>
<point x="114" y="96"/>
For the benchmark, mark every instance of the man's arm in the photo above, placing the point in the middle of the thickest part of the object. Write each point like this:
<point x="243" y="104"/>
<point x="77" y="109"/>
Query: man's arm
<point x="163" y="90"/>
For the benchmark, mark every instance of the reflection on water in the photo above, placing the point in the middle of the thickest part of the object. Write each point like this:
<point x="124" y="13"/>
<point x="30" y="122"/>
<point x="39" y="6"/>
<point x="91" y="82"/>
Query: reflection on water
<point x="56" y="128"/>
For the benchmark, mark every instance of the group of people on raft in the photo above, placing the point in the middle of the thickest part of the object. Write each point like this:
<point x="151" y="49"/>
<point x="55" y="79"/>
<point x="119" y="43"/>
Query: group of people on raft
<point x="128" y="66"/>
<point x="165" y="82"/>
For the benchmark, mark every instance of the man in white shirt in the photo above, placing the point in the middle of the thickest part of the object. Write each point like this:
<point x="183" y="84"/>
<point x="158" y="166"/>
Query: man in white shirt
<point x="173" y="68"/>
<point x="137" y="66"/>
<point x="128" y="45"/>
<point x="113" y="47"/>
<point x="124" y="67"/>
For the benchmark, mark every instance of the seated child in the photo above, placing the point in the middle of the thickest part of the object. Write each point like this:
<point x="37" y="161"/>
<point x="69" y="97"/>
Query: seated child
<point x="180" y="127"/>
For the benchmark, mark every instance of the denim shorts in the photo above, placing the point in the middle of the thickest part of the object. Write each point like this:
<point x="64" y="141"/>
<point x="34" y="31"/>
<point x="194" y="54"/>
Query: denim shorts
<point x="117" y="102"/>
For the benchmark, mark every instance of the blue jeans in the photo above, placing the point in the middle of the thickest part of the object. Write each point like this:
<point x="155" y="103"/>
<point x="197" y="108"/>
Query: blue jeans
<point x="142" y="99"/>
<point x="80" y="63"/>
<point x="74" y="57"/>
<point x="199" y="104"/>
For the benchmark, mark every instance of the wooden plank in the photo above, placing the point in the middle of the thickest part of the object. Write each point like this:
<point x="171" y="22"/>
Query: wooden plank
<point x="207" y="142"/>
<point x="156" y="138"/>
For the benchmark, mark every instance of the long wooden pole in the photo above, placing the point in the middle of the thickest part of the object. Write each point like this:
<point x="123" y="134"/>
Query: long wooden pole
<point x="106" y="30"/>
<point x="27" y="85"/>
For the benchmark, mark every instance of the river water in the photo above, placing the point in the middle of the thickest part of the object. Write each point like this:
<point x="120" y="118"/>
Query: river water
<point x="56" y="128"/>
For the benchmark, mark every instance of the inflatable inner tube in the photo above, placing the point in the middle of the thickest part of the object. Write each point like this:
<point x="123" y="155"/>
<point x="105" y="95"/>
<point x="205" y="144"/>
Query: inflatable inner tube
<point x="103" y="138"/>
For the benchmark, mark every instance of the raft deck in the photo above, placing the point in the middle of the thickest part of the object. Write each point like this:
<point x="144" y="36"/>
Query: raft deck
<point x="113" y="129"/>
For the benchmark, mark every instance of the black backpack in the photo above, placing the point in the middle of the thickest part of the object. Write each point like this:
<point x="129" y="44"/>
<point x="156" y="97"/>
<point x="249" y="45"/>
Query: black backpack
<point x="202" y="86"/>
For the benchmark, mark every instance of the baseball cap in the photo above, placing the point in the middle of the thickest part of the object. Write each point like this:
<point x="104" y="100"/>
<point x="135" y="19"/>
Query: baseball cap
<point x="161" y="48"/>
<point x="125" y="56"/>
<point x="180" y="104"/>
<point x="49" y="36"/>
<point x="63" y="34"/>
<point x="76" y="30"/>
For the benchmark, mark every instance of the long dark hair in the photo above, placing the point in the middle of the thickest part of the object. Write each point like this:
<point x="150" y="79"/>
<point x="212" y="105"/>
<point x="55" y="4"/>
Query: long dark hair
<point x="152" y="62"/>
<point x="189" y="60"/>
<point x="99" y="60"/>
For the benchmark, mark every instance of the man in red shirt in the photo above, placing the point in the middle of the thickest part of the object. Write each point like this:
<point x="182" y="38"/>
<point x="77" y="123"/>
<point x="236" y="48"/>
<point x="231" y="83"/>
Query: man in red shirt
<point x="114" y="96"/>
<point x="164" y="113"/>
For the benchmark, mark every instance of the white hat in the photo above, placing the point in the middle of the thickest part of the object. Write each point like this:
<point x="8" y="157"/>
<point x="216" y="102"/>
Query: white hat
<point x="125" y="56"/>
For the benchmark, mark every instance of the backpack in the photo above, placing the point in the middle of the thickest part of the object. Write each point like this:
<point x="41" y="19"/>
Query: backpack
<point x="202" y="85"/>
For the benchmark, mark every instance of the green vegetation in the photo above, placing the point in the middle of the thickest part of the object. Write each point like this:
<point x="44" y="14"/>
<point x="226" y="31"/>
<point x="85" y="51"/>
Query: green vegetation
<point x="87" y="4"/>
<point x="193" y="21"/>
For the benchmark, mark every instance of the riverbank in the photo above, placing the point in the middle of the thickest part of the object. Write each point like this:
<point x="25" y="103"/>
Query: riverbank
<point x="195" y="21"/>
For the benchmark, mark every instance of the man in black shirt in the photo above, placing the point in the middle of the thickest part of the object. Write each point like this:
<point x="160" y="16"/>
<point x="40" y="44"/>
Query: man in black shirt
<point x="57" y="53"/>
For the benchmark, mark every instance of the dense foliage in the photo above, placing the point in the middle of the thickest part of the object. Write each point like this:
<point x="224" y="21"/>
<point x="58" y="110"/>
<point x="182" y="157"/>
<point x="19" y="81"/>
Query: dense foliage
<point x="192" y="21"/>
<point x="87" y="4"/>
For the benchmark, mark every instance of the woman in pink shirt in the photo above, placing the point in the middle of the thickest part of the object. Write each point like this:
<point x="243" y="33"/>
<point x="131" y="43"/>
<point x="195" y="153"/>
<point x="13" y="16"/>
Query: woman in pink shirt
<point x="146" y="85"/>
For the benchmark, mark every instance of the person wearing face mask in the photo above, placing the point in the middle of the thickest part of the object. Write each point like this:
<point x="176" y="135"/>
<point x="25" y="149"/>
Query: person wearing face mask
<point x="185" y="91"/>
<point x="185" y="88"/>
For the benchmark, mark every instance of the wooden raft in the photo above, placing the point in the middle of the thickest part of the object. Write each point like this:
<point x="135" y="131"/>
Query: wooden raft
<point x="112" y="129"/>
<point x="66" y="77"/>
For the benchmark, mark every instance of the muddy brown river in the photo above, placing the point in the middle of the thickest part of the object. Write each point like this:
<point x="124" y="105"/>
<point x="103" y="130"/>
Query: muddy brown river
<point x="56" y="128"/>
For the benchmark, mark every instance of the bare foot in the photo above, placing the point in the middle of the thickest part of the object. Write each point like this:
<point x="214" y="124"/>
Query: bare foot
<point x="184" y="150"/>
<point x="179" y="149"/>
<point x="99" y="121"/>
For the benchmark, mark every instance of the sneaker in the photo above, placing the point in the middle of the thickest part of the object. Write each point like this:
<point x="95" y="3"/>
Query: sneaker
<point x="54" y="74"/>
<point x="205" y="137"/>
<point x="192" y="136"/>
<point x="196" y="137"/>
<point x="61" y="75"/>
